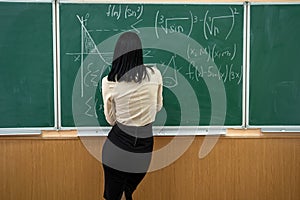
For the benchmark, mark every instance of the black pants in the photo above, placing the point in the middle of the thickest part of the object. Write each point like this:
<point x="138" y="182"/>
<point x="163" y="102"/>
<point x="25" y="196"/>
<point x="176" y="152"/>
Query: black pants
<point x="126" y="156"/>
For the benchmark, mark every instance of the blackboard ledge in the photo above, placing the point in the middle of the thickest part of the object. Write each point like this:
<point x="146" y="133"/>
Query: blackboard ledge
<point x="281" y="129"/>
<point x="21" y="131"/>
<point x="276" y="128"/>
<point x="157" y="130"/>
<point x="153" y="2"/>
<point x="59" y="134"/>
<point x="243" y="132"/>
<point x="230" y="133"/>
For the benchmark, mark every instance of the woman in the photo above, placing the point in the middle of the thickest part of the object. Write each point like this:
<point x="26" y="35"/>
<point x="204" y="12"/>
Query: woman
<point x="132" y="95"/>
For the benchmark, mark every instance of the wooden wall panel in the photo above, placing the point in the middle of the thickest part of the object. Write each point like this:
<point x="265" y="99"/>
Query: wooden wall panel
<point x="47" y="170"/>
<point x="241" y="169"/>
<point x="236" y="169"/>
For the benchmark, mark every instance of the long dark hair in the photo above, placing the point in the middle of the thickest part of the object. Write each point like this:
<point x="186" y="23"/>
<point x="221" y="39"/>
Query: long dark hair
<point x="128" y="62"/>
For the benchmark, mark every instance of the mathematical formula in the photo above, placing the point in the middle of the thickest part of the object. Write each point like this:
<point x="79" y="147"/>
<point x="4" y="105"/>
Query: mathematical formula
<point x="227" y="73"/>
<point x="212" y="52"/>
<point x="186" y="22"/>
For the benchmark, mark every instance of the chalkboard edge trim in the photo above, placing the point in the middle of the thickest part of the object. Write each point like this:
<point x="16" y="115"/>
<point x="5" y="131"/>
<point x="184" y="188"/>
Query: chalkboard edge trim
<point x="56" y="65"/>
<point x="274" y="3"/>
<point x="246" y="63"/>
<point x="159" y="130"/>
<point x="24" y="131"/>
<point x="149" y="2"/>
<point x="28" y="1"/>
<point x="277" y="128"/>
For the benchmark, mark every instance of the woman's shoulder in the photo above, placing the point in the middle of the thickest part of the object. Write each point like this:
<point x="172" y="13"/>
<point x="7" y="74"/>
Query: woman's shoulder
<point x="154" y="74"/>
<point x="106" y="82"/>
<point x="153" y="70"/>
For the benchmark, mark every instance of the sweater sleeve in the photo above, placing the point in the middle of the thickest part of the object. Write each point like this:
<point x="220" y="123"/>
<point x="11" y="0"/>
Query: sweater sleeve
<point x="108" y="101"/>
<point x="159" y="92"/>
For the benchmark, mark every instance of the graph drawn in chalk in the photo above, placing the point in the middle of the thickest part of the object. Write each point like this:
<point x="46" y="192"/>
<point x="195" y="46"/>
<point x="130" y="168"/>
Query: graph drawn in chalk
<point x="87" y="42"/>
<point x="106" y="55"/>
<point x="132" y="26"/>
<point x="88" y="47"/>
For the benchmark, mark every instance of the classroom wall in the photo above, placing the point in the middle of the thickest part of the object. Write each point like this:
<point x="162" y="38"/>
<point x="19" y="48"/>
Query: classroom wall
<point x="238" y="168"/>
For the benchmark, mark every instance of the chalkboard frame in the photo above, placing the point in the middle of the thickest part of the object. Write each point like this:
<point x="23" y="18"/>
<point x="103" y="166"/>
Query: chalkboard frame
<point x="158" y="130"/>
<point x="169" y="130"/>
<point x="29" y="1"/>
<point x="38" y="130"/>
<point x="264" y="128"/>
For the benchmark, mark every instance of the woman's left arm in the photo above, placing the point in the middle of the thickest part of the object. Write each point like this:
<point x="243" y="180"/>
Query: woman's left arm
<point x="159" y="93"/>
<point x="108" y="102"/>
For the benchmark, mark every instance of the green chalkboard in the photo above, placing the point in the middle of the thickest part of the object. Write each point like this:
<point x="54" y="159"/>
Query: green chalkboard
<point x="274" y="65"/>
<point x="197" y="48"/>
<point x="26" y="65"/>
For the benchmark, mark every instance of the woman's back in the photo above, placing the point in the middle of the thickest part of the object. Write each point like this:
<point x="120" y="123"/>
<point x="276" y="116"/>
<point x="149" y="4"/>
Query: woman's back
<point x="135" y="104"/>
